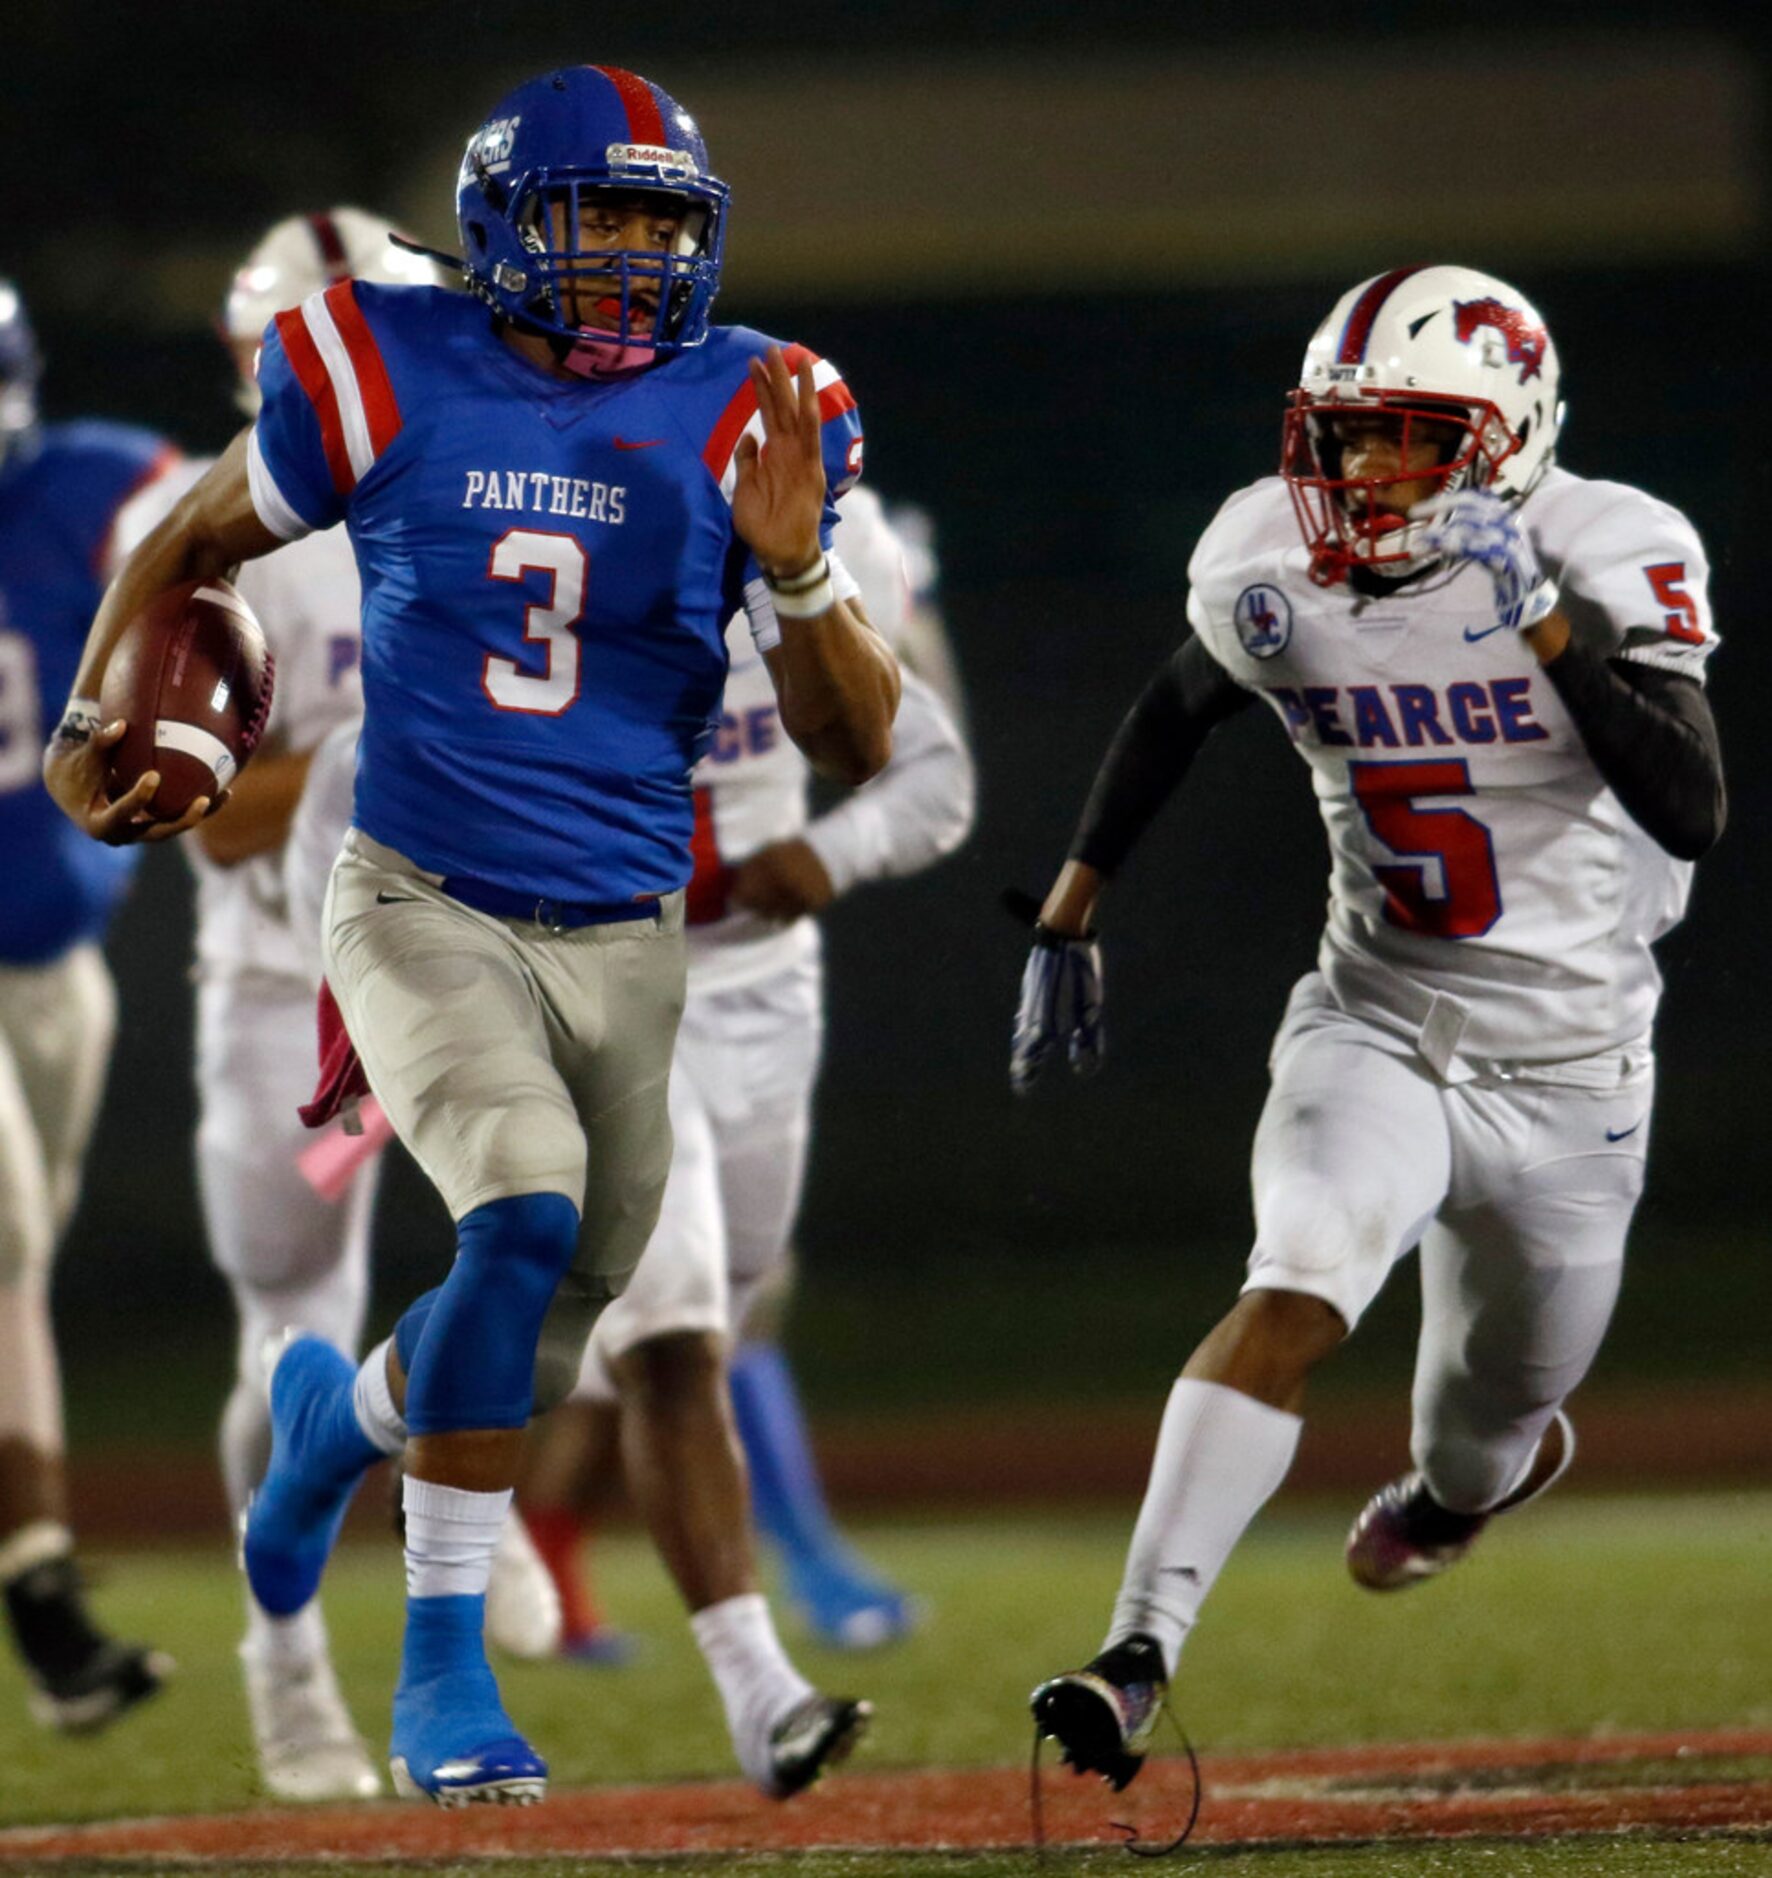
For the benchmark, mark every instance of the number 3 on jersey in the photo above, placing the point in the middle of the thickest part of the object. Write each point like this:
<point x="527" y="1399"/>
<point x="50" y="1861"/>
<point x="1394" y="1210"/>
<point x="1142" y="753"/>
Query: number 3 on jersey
<point x="552" y="625"/>
<point x="1469" y="898"/>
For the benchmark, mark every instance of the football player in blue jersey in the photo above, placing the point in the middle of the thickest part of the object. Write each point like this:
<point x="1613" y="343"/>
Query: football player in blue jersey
<point x="60" y="488"/>
<point x="555" y="511"/>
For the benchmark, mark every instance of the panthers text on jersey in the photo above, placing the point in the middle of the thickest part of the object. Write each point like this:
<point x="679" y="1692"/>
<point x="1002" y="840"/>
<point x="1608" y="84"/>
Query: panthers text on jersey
<point x="1489" y="896"/>
<point x="548" y="567"/>
<point x="60" y="492"/>
<point x="307" y="599"/>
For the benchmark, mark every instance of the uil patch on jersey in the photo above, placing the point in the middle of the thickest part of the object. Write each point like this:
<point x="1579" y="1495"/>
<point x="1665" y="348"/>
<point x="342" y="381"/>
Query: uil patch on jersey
<point x="1263" y="618"/>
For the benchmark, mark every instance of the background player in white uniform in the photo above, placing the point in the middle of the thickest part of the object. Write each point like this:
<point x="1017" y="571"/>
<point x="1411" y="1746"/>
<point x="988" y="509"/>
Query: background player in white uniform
<point x="741" y="1094"/>
<point x="1494" y="670"/>
<point x="291" y="1257"/>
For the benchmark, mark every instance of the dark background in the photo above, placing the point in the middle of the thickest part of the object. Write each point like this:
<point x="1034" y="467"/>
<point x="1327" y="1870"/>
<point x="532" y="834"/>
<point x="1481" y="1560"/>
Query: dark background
<point x="1071" y="440"/>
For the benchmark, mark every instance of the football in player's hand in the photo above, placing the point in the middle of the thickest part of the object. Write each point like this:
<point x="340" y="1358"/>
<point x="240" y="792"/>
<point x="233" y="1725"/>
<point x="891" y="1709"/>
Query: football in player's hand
<point x="192" y="678"/>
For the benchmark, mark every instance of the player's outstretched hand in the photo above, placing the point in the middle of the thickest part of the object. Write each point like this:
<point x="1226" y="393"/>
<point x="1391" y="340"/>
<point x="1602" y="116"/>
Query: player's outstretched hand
<point x="74" y="774"/>
<point x="1477" y="525"/>
<point x="778" y="501"/>
<point x="1060" y="1001"/>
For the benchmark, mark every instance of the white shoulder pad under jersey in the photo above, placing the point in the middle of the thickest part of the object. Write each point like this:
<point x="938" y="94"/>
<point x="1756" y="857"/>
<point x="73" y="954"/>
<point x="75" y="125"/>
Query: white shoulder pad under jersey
<point x="1632" y="574"/>
<point x="1489" y="896"/>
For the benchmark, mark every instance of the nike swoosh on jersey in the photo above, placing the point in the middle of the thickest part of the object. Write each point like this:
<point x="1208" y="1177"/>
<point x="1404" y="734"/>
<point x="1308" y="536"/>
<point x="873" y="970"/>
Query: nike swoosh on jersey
<point x="1471" y="638"/>
<point x="396" y="899"/>
<point x="642" y="443"/>
<point x="1618" y="1134"/>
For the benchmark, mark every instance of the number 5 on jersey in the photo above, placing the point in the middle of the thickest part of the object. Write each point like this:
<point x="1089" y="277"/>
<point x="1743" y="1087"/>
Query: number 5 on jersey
<point x="1447" y="843"/>
<point x="551" y="625"/>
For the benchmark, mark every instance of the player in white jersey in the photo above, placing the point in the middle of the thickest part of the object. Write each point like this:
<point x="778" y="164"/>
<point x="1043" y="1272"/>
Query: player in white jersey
<point x="746" y="1060"/>
<point x="290" y="1256"/>
<point x="1494" y="670"/>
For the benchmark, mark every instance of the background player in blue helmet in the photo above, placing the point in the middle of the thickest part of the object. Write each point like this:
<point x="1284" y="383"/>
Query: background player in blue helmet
<point x="553" y="519"/>
<point x="60" y="488"/>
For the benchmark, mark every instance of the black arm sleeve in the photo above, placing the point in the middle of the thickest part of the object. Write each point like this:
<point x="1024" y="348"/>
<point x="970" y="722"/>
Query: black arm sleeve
<point x="1653" y="740"/>
<point x="1151" y="752"/>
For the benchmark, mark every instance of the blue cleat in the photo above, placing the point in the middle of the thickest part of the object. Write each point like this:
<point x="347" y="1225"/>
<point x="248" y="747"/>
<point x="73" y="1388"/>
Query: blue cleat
<point x="848" y="1609"/>
<point x="318" y="1454"/>
<point x="453" y="1742"/>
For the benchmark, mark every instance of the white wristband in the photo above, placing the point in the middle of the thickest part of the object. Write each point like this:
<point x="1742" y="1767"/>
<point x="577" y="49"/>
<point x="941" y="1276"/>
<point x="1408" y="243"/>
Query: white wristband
<point x="807" y="605"/>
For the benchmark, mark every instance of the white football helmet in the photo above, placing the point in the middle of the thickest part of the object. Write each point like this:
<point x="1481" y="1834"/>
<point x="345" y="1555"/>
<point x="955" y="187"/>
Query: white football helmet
<point x="305" y="254"/>
<point x="1462" y="350"/>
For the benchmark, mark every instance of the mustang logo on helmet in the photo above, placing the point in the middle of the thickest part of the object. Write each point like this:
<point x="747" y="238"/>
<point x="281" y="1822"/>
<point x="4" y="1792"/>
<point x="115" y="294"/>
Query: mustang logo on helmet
<point x="1526" y="342"/>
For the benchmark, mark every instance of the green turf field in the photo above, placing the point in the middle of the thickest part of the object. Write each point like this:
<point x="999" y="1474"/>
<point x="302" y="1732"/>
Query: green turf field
<point x="1588" y="1616"/>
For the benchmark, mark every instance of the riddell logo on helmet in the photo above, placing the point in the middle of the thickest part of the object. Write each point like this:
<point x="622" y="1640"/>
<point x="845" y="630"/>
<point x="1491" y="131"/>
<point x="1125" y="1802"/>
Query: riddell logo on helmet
<point x="1526" y="343"/>
<point x="625" y="156"/>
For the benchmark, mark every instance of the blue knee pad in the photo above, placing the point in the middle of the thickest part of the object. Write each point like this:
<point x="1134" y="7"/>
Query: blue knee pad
<point x="472" y="1351"/>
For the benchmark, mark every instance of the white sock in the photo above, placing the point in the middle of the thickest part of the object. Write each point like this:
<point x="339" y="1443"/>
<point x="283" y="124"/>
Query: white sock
<point x="1221" y="1456"/>
<point x="284" y="1642"/>
<point x="373" y="1401"/>
<point x="29" y="1546"/>
<point x="757" y="1683"/>
<point x="451" y="1535"/>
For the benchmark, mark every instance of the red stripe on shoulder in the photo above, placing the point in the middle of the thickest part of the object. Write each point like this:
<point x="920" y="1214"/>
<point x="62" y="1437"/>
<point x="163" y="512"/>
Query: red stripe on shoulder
<point x="380" y="405"/>
<point x="645" y="121"/>
<point x="723" y="439"/>
<point x="310" y="373"/>
<point x="834" y="400"/>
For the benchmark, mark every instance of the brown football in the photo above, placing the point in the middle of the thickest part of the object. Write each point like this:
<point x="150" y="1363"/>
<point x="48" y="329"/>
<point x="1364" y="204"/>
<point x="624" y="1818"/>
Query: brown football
<point x="192" y="677"/>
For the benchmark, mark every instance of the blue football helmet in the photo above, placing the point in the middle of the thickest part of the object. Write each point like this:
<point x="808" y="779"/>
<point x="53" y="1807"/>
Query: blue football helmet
<point x="563" y="135"/>
<point x="21" y="366"/>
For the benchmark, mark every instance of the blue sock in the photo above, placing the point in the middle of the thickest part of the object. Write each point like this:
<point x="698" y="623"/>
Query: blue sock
<point x="447" y="1707"/>
<point x="786" y="1496"/>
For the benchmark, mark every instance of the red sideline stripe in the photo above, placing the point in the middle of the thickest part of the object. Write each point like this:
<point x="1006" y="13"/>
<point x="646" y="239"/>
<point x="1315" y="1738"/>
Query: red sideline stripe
<point x="726" y="433"/>
<point x="1358" y="330"/>
<point x="379" y="402"/>
<point x="645" y="123"/>
<point x="310" y="372"/>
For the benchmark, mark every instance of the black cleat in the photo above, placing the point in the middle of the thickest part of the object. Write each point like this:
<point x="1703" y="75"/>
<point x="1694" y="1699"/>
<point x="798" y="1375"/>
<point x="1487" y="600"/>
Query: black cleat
<point x="1103" y="1715"/>
<point x="810" y="1740"/>
<point x="81" y="1680"/>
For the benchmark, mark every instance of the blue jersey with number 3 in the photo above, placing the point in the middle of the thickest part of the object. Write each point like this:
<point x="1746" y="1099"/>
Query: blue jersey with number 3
<point x="60" y="491"/>
<point x="548" y="567"/>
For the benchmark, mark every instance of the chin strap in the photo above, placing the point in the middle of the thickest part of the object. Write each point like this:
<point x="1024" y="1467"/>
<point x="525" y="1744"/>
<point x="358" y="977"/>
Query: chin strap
<point x="453" y="262"/>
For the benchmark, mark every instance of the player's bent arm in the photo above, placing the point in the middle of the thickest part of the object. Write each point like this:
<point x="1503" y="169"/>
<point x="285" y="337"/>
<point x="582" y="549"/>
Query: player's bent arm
<point x="1650" y="734"/>
<point x="918" y="809"/>
<point x="212" y="528"/>
<point x="837" y="687"/>
<point x="1152" y="750"/>
<point x="259" y="810"/>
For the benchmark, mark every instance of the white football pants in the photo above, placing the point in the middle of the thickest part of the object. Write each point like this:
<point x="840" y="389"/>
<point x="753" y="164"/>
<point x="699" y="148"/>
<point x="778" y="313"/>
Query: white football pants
<point x="289" y="1257"/>
<point x="741" y="1105"/>
<point x="56" y="1025"/>
<point x="1518" y="1189"/>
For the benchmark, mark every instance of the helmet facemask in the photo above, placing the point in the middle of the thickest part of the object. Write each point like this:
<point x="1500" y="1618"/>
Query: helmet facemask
<point x="1440" y="445"/>
<point x="613" y="310"/>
